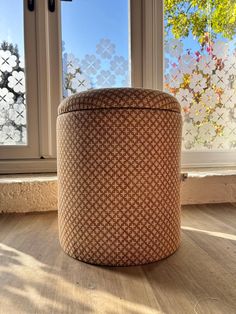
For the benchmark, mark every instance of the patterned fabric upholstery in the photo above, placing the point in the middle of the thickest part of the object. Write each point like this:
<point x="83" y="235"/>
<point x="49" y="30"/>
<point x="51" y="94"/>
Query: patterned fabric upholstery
<point x="119" y="176"/>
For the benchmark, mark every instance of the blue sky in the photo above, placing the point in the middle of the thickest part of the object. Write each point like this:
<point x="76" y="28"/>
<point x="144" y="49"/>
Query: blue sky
<point x="84" y="23"/>
<point x="11" y="22"/>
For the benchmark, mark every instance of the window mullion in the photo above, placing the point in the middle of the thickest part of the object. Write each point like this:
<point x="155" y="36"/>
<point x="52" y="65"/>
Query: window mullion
<point x="152" y="44"/>
<point x="136" y="39"/>
<point x="55" y="70"/>
<point x="49" y="75"/>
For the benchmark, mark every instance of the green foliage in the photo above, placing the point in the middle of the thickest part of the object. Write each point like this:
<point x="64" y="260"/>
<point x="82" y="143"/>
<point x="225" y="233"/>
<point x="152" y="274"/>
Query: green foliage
<point x="200" y="17"/>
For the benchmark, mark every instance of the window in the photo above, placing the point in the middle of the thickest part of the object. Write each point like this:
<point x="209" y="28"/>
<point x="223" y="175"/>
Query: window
<point x="28" y="64"/>
<point x="200" y="70"/>
<point x="67" y="48"/>
<point x="13" y="128"/>
<point x="98" y="56"/>
<point x="18" y="107"/>
<point x="185" y="47"/>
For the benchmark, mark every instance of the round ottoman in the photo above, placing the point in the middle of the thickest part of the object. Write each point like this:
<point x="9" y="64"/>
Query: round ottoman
<point x="119" y="176"/>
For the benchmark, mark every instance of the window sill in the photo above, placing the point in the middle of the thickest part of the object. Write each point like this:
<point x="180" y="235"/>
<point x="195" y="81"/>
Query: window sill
<point x="38" y="192"/>
<point x="209" y="185"/>
<point x="17" y="166"/>
<point x="210" y="172"/>
<point x="28" y="193"/>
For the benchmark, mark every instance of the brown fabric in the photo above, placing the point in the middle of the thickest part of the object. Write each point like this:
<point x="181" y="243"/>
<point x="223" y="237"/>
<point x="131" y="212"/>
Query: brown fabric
<point x="119" y="182"/>
<point x="119" y="98"/>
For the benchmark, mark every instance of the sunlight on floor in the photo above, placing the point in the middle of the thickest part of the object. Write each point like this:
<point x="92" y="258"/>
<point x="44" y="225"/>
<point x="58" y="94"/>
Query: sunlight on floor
<point x="212" y="233"/>
<point x="26" y="282"/>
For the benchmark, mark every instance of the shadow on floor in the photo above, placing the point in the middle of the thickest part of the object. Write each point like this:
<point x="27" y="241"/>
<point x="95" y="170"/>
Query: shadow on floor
<point x="37" y="277"/>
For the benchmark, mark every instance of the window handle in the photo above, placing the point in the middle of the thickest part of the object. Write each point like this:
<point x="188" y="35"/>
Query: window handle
<point x="51" y="5"/>
<point x="31" y="5"/>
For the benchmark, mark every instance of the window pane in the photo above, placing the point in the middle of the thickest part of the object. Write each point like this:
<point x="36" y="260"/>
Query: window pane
<point x="95" y="35"/>
<point x="200" y="70"/>
<point x="12" y="75"/>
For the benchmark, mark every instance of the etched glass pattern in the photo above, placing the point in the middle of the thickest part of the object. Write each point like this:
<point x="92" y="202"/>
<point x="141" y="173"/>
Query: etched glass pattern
<point x="200" y="70"/>
<point x="12" y="76"/>
<point x="95" y="51"/>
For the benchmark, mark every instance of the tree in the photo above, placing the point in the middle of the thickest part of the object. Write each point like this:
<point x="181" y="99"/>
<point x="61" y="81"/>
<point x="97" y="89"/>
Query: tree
<point x="200" y="17"/>
<point x="202" y="76"/>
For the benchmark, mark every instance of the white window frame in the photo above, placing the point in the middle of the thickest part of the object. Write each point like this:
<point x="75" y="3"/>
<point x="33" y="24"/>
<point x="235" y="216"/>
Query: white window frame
<point x="44" y="81"/>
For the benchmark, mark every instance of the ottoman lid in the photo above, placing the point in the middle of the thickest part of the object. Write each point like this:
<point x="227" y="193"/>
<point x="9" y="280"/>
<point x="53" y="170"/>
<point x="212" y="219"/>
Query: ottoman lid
<point x="119" y="98"/>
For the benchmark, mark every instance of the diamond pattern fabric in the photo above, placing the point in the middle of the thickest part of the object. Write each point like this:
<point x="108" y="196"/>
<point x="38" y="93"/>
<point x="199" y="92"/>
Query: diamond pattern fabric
<point x="119" y="177"/>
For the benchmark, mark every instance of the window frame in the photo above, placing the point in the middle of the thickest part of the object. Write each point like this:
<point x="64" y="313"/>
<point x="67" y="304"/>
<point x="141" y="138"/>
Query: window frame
<point x="42" y="36"/>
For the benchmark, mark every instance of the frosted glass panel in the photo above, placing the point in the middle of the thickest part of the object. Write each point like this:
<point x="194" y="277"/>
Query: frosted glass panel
<point x="95" y="35"/>
<point x="200" y="70"/>
<point x="12" y="75"/>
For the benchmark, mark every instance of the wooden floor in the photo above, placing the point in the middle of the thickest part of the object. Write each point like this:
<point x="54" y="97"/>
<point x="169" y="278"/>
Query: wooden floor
<point x="37" y="277"/>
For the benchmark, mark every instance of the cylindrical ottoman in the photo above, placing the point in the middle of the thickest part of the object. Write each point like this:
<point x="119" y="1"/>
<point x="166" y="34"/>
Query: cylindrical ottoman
<point x="119" y="176"/>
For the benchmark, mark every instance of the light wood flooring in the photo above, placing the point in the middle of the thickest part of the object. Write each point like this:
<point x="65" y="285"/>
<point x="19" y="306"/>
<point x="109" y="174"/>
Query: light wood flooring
<point x="37" y="277"/>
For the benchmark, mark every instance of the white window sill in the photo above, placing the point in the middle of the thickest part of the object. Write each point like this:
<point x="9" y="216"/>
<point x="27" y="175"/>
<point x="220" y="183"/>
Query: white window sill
<point x="28" y="193"/>
<point x="210" y="172"/>
<point x="38" y="192"/>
